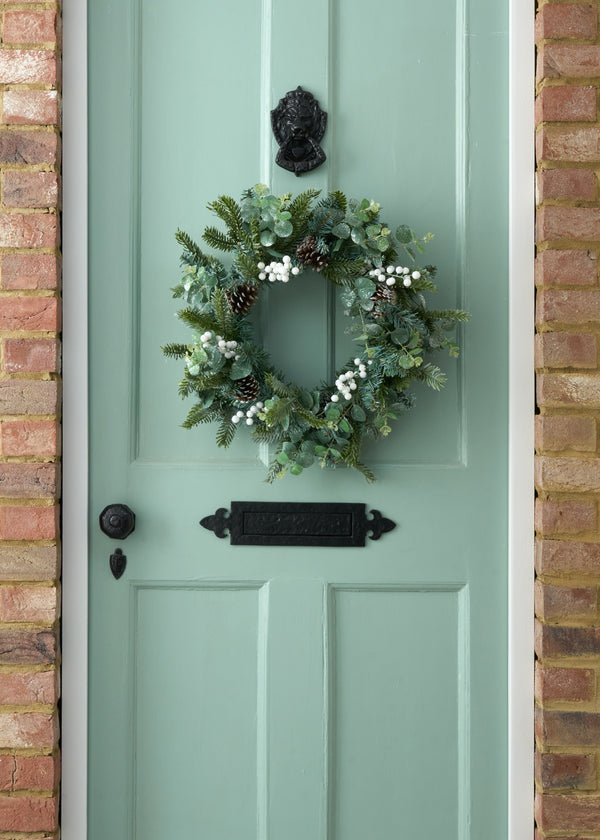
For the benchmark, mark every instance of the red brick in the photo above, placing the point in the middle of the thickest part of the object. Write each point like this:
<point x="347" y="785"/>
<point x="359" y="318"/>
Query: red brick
<point x="566" y="183"/>
<point x="30" y="189"/>
<point x="28" y="481"/>
<point x="28" y="67"/>
<point x="555" y="640"/>
<point x="28" y="523"/>
<point x="20" y="730"/>
<point x="36" y="230"/>
<point x="31" y="437"/>
<point x="554" y="557"/>
<point x="556" y="142"/>
<point x="572" y="728"/>
<point x="28" y="562"/>
<point x="565" y="268"/>
<point x="567" y="813"/>
<point x="29" y="147"/>
<point x="28" y="603"/>
<point x="561" y="20"/>
<point x="555" y="433"/>
<point x="568" y="389"/>
<point x="568" y="684"/>
<point x="562" y="349"/>
<point x="569" y="306"/>
<point x="40" y="772"/>
<point x="566" y="103"/>
<point x="32" y="27"/>
<point x="574" y="60"/>
<point x="28" y="814"/>
<point x="559" y="601"/>
<point x="555" y="771"/>
<point x="558" y="517"/>
<point x="29" y="313"/>
<point x="28" y="397"/>
<point x="31" y="354"/>
<point x="570" y="474"/>
<point x="25" y="689"/>
<point x="30" y="107"/>
<point x="27" y="647"/>
<point x="568" y="223"/>
<point x="29" y="271"/>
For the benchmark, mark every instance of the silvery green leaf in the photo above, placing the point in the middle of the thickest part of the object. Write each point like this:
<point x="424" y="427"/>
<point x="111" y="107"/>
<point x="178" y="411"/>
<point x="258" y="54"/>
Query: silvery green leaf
<point x="365" y="287"/>
<point x="404" y="234"/>
<point x="240" y="369"/>
<point x="358" y="236"/>
<point x="383" y="243"/>
<point x="283" y="228"/>
<point x="342" y="231"/>
<point x="358" y="413"/>
<point x="296" y="468"/>
<point x="267" y="238"/>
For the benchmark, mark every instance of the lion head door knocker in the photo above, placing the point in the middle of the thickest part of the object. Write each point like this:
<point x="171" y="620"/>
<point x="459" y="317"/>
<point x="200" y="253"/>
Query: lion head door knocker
<point x="299" y="125"/>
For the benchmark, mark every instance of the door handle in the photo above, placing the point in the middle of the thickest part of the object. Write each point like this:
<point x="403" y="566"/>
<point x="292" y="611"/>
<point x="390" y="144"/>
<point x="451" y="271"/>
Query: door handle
<point x="117" y="521"/>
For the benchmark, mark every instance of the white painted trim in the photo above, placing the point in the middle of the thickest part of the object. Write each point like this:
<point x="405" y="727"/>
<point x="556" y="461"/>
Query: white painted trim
<point x="521" y="418"/>
<point x="75" y="424"/>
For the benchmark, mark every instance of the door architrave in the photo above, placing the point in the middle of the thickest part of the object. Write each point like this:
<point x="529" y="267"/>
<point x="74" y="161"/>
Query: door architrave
<point x="520" y="418"/>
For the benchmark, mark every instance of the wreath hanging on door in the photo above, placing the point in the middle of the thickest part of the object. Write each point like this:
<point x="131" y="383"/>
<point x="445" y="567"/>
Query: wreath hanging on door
<point x="274" y="239"/>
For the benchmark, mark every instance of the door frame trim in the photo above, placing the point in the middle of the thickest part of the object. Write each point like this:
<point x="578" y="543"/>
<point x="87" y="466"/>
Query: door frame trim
<point x="520" y="417"/>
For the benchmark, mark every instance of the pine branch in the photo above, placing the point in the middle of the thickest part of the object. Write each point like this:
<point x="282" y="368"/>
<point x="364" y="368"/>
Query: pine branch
<point x="279" y="388"/>
<point x="198" y="414"/>
<point x="216" y="239"/>
<point x="229" y="211"/>
<point x="223" y="312"/>
<point x="341" y="200"/>
<point x="175" y="351"/>
<point x="195" y="255"/>
<point x="313" y="421"/>
<point x="197" y="320"/>
<point x="431" y="375"/>
<point x="226" y="432"/>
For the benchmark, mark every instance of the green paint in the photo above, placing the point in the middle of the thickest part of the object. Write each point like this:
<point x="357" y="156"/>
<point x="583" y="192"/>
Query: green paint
<point x="300" y="693"/>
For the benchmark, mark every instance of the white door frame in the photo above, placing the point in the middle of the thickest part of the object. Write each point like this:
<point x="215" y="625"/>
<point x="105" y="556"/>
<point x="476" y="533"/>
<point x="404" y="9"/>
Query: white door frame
<point x="520" y="417"/>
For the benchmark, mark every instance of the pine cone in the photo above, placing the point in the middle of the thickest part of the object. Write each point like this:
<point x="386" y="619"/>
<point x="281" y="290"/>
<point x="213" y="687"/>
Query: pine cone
<point x="242" y="297"/>
<point x="247" y="390"/>
<point x="382" y="294"/>
<point x="309" y="254"/>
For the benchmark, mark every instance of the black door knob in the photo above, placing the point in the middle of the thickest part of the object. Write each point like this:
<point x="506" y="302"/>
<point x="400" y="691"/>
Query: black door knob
<point x="117" y="521"/>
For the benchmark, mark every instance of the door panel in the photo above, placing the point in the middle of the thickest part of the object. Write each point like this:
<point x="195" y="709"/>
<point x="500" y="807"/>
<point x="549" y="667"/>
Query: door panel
<point x="296" y="693"/>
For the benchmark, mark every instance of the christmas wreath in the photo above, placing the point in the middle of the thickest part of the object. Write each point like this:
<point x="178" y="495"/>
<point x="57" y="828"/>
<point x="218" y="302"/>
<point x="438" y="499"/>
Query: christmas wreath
<point x="274" y="239"/>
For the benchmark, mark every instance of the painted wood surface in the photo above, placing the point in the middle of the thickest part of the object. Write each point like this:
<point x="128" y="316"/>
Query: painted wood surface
<point x="294" y="693"/>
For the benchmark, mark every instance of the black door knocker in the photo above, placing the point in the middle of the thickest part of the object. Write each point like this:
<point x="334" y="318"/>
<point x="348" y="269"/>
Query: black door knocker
<point x="299" y="125"/>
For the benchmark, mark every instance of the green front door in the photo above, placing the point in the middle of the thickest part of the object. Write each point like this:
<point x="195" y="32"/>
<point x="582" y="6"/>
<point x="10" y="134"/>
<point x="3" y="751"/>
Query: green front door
<point x="264" y="693"/>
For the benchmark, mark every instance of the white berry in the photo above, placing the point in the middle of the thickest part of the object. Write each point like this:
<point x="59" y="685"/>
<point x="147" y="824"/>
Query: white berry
<point x="416" y="275"/>
<point x="407" y="282"/>
<point x="334" y="398"/>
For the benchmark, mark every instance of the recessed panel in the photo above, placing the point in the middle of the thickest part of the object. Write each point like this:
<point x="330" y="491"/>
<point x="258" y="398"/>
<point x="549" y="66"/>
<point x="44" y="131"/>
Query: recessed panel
<point x="397" y="699"/>
<point x="195" y="738"/>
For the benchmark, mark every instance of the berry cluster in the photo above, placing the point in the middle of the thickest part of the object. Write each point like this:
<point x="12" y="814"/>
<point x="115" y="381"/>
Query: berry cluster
<point x="249" y="414"/>
<point x="278" y="270"/>
<point x="346" y="382"/>
<point x="394" y="273"/>
<point x="226" y="348"/>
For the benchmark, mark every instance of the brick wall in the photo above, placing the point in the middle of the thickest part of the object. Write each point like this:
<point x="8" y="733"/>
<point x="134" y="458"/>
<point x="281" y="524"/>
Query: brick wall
<point x="29" y="365"/>
<point x="568" y="380"/>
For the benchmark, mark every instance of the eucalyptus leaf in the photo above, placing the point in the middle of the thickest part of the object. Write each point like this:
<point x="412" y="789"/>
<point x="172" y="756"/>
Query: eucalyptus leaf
<point x="383" y="243"/>
<point x="296" y="468"/>
<point x="358" y="236"/>
<point x="342" y="230"/>
<point x="282" y="458"/>
<point x="240" y="369"/>
<point x="358" y="413"/>
<point x="404" y="234"/>
<point x="283" y="228"/>
<point x="267" y="238"/>
<point x="365" y="288"/>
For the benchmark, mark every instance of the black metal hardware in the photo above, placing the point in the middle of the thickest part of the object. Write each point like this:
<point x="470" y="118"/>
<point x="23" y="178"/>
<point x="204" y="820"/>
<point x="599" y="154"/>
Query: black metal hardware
<point x="297" y="523"/>
<point x="299" y="125"/>
<point x="117" y="521"/>
<point x="118" y="561"/>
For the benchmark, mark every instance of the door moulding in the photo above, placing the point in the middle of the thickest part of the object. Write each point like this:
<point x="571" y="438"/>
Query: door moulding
<point x="520" y="417"/>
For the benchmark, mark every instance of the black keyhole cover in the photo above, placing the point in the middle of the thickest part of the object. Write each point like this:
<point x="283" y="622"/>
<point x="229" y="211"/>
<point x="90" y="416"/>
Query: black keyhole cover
<point x="117" y="521"/>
